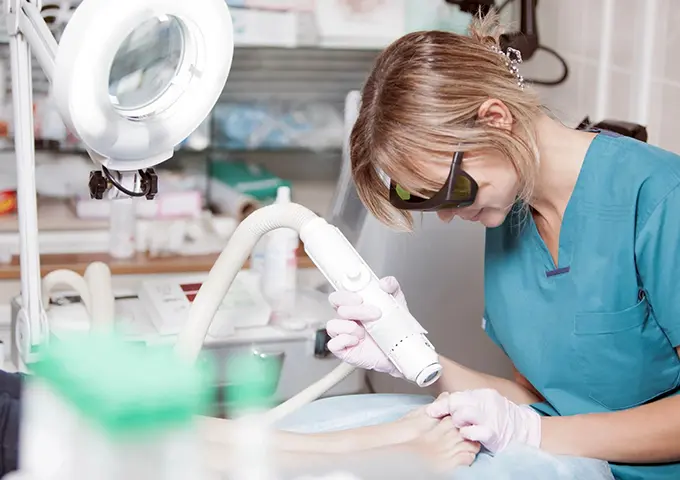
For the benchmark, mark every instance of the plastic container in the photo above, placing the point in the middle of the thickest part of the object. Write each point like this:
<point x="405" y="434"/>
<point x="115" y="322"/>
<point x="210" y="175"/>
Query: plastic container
<point x="8" y="192"/>
<point x="252" y="383"/>
<point x="52" y="128"/>
<point x="100" y="408"/>
<point x="279" y="275"/>
<point x="122" y="228"/>
<point x="248" y="179"/>
<point x="257" y="255"/>
<point x="6" y="114"/>
<point x="199" y="139"/>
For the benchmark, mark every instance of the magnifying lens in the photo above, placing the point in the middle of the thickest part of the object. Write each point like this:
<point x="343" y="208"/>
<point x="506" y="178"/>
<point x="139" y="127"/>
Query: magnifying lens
<point x="131" y="79"/>
<point x="135" y="78"/>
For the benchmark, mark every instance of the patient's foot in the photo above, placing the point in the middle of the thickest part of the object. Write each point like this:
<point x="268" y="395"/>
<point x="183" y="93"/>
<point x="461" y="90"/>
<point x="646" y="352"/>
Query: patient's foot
<point x="414" y="424"/>
<point x="443" y="448"/>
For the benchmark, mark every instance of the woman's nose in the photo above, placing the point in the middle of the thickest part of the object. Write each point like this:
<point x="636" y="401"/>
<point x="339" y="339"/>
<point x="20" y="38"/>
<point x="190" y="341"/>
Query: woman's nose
<point x="446" y="215"/>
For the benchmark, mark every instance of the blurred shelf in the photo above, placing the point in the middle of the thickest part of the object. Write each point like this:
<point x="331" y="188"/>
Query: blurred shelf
<point x="337" y="46"/>
<point x="140" y="264"/>
<point x="54" y="215"/>
<point x="275" y="150"/>
<point x="208" y="151"/>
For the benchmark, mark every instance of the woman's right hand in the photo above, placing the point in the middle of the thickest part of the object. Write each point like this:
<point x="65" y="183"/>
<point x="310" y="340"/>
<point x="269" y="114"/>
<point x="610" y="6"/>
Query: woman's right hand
<point x="349" y="340"/>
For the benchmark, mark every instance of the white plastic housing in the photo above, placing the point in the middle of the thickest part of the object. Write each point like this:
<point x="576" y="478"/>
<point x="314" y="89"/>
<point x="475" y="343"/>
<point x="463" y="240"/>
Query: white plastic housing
<point x="56" y="443"/>
<point x="397" y="332"/>
<point x="146" y="136"/>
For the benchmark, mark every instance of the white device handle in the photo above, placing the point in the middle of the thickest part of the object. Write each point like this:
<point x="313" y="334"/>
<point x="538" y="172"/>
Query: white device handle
<point x="397" y="332"/>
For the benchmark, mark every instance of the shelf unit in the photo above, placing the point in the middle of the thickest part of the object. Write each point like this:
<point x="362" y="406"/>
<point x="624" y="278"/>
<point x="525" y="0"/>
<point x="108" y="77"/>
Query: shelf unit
<point x="296" y="75"/>
<point x="304" y="74"/>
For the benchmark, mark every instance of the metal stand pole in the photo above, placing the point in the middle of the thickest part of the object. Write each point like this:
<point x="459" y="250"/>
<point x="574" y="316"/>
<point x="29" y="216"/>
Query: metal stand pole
<point x="32" y="322"/>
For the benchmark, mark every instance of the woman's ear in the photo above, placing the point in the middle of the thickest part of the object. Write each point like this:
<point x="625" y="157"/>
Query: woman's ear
<point x="495" y="113"/>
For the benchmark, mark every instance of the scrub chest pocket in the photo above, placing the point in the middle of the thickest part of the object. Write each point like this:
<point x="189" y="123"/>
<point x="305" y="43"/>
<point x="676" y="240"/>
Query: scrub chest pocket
<point x="626" y="358"/>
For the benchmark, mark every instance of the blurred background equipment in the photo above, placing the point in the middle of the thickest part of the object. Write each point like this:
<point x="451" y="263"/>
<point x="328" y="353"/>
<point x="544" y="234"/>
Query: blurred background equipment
<point x="99" y="407"/>
<point x="526" y="39"/>
<point x="628" y="129"/>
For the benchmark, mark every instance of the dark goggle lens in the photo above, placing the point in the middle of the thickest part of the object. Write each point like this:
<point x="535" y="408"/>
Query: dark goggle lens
<point x="462" y="191"/>
<point x="462" y="188"/>
<point x="402" y="193"/>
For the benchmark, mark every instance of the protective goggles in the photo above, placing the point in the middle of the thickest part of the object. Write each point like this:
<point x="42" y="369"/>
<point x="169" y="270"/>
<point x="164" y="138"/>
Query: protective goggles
<point x="459" y="190"/>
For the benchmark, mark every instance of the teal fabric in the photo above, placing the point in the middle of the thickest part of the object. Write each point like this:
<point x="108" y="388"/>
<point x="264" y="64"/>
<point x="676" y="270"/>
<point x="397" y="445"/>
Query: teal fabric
<point x="597" y="331"/>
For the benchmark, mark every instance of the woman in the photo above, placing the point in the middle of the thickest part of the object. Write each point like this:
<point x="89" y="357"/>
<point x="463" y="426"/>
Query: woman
<point x="581" y="263"/>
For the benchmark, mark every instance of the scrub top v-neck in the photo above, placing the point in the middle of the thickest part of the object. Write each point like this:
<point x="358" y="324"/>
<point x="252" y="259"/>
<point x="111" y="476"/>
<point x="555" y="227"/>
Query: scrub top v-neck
<point x="597" y="331"/>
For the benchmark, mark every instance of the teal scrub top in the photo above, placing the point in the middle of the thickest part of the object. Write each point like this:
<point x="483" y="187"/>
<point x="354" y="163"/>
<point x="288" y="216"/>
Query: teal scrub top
<point x="597" y="332"/>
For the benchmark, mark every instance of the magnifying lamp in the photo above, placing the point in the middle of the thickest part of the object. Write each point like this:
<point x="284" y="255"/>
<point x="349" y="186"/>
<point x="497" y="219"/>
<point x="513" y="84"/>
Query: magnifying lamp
<point x="131" y="79"/>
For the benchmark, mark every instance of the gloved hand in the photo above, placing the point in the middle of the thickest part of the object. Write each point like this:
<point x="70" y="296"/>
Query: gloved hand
<point x="487" y="417"/>
<point x="350" y="342"/>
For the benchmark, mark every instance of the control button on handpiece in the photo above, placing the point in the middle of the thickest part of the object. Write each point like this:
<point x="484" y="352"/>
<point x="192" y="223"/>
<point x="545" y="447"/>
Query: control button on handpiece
<point x="353" y="271"/>
<point x="353" y="274"/>
<point x="353" y="277"/>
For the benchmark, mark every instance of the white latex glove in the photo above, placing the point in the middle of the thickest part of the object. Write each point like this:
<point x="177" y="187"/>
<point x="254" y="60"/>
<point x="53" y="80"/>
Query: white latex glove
<point x="350" y="342"/>
<point x="487" y="417"/>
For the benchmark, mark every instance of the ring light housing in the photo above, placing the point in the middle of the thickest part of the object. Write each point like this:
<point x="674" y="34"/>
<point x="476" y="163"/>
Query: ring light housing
<point x="128" y="139"/>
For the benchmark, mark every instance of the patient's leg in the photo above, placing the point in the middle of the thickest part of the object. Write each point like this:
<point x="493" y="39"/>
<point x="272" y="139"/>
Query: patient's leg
<point x="400" y="431"/>
<point x="351" y="411"/>
<point x="416" y="433"/>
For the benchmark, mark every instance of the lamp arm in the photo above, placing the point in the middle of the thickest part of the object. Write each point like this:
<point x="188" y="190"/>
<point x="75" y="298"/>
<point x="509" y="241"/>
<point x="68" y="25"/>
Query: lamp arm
<point x="25" y="19"/>
<point x="28" y="32"/>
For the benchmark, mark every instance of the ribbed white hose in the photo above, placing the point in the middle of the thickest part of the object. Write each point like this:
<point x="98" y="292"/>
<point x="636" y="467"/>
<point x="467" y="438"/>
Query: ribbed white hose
<point x="309" y="394"/>
<point x="94" y="288"/>
<point x="228" y="264"/>
<point x="224" y="271"/>
<point x="66" y="278"/>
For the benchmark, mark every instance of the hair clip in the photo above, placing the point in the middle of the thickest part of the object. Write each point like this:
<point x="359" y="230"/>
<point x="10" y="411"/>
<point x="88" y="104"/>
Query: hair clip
<point x="513" y="58"/>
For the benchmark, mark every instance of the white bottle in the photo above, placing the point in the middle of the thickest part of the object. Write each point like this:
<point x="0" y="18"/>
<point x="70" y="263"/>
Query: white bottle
<point x="52" y="126"/>
<point x="199" y="139"/>
<point x="257" y="255"/>
<point x="122" y="228"/>
<point x="247" y="399"/>
<point x="279" y="276"/>
<point x="252" y="449"/>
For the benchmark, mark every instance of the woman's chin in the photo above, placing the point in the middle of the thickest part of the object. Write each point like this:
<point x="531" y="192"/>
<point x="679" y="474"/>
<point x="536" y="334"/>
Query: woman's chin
<point x="492" y="219"/>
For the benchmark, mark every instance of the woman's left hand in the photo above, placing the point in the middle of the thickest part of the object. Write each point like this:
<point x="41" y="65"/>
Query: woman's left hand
<point x="487" y="417"/>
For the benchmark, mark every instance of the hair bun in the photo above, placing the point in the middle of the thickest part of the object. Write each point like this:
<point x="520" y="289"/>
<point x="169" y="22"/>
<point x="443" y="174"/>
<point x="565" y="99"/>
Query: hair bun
<point x="486" y="29"/>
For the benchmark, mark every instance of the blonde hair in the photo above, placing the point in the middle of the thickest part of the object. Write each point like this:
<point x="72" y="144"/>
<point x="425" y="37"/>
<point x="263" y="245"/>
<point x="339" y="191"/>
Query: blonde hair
<point x="420" y="104"/>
